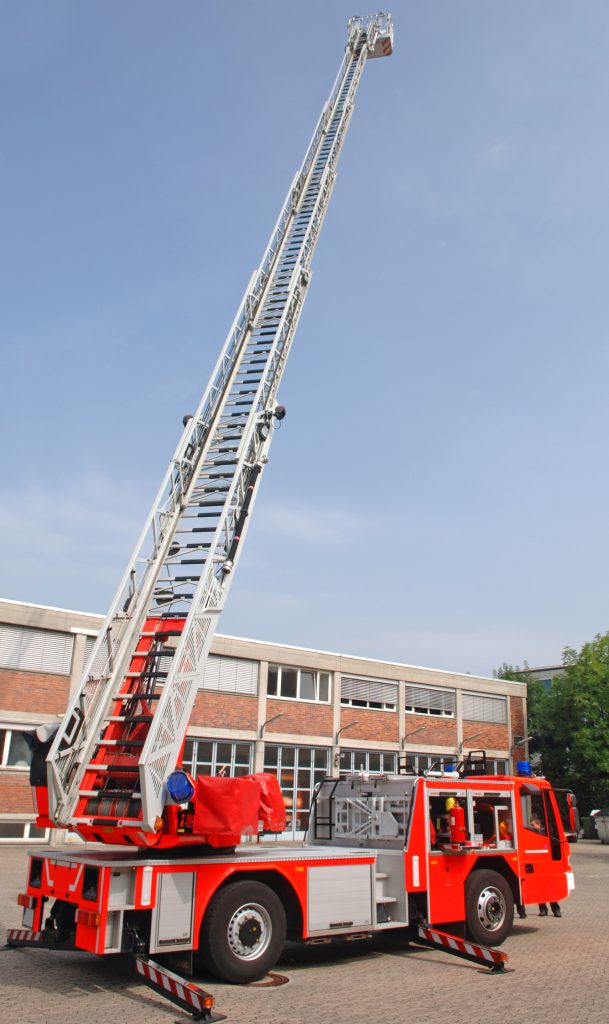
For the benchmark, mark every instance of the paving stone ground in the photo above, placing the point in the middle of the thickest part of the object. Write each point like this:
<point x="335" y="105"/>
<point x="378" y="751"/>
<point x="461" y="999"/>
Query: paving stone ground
<point x="560" y="973"/>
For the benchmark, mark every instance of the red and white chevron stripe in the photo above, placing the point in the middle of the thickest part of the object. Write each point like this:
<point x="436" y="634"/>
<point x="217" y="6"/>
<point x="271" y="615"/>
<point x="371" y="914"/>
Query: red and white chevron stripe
<point x="171" y="985"/>
<point x="23" y="935"/>
<point x="453" y="944"/>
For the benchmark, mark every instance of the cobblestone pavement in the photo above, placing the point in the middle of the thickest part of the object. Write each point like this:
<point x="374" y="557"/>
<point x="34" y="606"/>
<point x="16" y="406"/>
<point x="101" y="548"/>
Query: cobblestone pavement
<point x="559" y="971"/>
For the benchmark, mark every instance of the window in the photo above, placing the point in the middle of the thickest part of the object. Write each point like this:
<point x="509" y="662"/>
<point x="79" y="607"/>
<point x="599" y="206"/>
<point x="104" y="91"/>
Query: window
<point x="217" y="757"/>
<point x="35" y="650"/>
<point x="425" y="700"/>
<point x="21" y="831"/>
<point x="231" y="675"/>
<point x="373" y="761"/>
<point x="479" y="707"/>
<point x="493" y="819"/>
<point x="14" y="751"/>
<point x="89" y="645"/>
<point x="298" y="684"/>
<point x="533" y="815"/>
<point x="357" y="692"/>
<point x="421" y="763"/>
<point x="298" y="769"/>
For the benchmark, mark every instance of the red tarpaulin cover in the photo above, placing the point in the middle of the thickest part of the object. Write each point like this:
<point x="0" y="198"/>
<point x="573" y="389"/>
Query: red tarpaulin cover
<point x="272" y="807"/>
<point x="226" y="809"/>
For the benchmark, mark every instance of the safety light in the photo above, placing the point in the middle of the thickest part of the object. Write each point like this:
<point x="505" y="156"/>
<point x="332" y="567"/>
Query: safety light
<point x="180" y="787"/>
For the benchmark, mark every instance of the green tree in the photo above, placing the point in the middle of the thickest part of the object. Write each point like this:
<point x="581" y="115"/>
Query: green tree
<point x="569" y="722"/>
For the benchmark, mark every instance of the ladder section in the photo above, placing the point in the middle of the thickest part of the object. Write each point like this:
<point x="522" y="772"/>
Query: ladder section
<point x="124" y="730"/>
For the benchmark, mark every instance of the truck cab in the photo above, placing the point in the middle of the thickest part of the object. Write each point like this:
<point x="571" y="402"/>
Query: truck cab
<point x="450" y="847"/>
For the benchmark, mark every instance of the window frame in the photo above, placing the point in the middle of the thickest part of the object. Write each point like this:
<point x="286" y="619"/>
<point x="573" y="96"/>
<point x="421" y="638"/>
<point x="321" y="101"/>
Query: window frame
<point x="488" y="701"/>
<point x="415" y="709"/>
<point x="367" y="683"/>
<point x="315" y="672"/>
<point x="352" y="752"/>
<point x="189" y="763"/>
<point x="6" y="735"/>
<point x="27" y="824"/>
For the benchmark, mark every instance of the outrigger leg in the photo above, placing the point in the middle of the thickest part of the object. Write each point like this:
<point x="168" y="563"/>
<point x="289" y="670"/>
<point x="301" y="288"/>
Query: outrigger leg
<point x="485" y="956"/>
<point x="179" y="991"/>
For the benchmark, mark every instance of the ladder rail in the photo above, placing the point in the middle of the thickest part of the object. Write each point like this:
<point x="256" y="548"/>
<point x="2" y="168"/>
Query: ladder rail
<point x="151" y="565"/>
<point x="158" y="755"/>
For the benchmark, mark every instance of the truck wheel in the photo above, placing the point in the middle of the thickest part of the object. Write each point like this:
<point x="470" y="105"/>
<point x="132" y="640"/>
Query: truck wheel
<point x="243" y="932"/>
<point x="489" y="907"/>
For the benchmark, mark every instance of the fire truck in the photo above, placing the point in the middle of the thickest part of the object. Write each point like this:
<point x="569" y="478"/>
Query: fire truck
<point x="162" y="870"/>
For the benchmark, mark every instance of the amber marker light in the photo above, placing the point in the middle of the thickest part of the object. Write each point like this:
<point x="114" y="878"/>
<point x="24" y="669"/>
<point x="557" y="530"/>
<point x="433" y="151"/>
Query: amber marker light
<point x="88" y="918"/>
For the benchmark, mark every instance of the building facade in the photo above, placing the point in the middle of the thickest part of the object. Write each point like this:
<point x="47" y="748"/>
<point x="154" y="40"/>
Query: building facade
<point x="545" y="674"/>
<point x="301" y="714"/>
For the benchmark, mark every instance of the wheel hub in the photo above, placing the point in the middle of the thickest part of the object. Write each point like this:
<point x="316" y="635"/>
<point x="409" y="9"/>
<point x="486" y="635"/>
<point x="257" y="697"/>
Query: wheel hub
<point x="491" y="909"/>
<point x="249" y="931"/>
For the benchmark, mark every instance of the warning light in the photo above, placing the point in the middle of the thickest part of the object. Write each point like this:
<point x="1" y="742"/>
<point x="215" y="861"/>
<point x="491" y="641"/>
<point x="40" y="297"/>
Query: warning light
<point x="180" y="787"/>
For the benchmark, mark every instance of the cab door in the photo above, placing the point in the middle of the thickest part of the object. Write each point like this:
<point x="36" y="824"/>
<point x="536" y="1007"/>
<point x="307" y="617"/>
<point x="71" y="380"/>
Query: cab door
<point x="542" y="868"/>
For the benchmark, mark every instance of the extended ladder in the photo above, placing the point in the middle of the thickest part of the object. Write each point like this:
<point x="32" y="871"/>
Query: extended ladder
<point x="124" y="729"/>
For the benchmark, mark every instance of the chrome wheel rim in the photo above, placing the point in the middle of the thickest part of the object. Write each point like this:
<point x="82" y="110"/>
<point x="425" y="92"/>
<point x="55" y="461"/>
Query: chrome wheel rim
<point x="491" y="908"/>
<point x="250" y="931"/>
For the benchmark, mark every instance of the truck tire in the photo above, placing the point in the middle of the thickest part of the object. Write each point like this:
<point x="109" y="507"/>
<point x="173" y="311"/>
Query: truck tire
<point x="243" y="932"/>
<point x="489" y="907"/>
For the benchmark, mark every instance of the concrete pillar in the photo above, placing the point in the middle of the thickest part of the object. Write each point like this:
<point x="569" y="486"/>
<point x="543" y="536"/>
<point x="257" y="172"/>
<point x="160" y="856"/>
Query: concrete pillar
<point x="263" y="679"/>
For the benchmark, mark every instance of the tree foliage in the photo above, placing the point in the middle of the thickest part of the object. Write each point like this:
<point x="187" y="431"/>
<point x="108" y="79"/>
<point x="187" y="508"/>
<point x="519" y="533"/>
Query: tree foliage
<point x="569" y="722"/>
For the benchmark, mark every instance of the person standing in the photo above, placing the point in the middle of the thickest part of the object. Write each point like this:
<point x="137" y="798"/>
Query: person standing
<point x="554" y="907"/>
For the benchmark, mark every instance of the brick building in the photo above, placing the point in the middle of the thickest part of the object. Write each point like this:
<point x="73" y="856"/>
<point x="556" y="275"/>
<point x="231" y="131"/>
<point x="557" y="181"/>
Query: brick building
<point x="300" y="713"/>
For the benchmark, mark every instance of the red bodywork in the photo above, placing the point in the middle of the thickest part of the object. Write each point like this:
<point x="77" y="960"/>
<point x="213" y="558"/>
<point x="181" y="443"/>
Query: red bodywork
<point x="499" y="822"/>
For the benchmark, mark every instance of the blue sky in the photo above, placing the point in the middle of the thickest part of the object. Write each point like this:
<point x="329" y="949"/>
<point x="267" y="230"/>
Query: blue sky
<point x="438" y="492"/>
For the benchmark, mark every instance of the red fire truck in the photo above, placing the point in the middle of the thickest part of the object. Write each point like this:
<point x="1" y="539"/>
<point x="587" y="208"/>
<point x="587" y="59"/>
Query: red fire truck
<point x="381" y="852"/>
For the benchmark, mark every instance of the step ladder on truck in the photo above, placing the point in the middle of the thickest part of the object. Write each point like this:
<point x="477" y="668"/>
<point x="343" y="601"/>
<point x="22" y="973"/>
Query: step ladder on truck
<point x="389" y="853"/>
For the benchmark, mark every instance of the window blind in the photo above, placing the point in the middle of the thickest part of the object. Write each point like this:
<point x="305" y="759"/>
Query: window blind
<point x="430" y="699"/>
<point x="35" y="650"/>
<point x="231" y="675"/>
<point x="377" y="691"/>
<point x="480" y="707"/>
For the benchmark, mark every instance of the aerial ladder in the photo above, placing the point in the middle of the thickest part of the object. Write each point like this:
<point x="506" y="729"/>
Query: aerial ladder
<point x="123" y="732"/>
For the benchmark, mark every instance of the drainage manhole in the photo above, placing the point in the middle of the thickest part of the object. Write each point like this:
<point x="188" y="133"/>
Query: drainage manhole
<point x="270" y="980"/>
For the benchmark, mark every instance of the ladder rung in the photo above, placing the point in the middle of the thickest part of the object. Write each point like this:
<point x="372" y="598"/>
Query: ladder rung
<point x="164" y="633"/>
<point x="146" y="673"/>
<point x="125" y="794"/>
<point x="129" y="718"/>
<point x="121" y="743"/>
<point x="137" y="695"/>
<point x="114" y="768"/>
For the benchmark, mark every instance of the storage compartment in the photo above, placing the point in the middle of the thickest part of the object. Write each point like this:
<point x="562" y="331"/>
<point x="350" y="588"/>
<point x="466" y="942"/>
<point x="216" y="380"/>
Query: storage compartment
<point x="340" y="898"/>
<point x="114" y="927"/>
<point x="122" y="888"/>
<point x="172" y="920"/>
